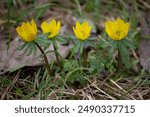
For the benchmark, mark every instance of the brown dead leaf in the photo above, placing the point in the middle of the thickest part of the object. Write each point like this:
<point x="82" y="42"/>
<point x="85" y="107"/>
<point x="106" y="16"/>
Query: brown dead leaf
<point x="14" y="59"/>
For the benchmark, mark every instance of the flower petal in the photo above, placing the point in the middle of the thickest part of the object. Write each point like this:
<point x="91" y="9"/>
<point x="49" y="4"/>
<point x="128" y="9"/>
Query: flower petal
<point x="78" y="26"/>
<point x="45" y="27"/>
<point x="125" y="30"/>
<point x="27" y="31"/>
<point x="117" y="30"/>
<point x="34" y="26"/>
<point x="109" y="29"/>
<point x="82" y="31"/>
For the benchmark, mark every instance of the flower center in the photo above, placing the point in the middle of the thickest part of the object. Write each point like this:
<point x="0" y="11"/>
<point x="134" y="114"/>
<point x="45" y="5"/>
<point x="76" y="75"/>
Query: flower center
<point x="83" y="32"/>
<point x="118" y="33"/>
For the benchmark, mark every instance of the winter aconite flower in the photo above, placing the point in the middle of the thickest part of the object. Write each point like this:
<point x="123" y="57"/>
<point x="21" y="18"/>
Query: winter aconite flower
<point x="27" y="31"/>
<point x="52" y="27"/>
<point x="82" y="31"/>
<point x="117" y="30"/>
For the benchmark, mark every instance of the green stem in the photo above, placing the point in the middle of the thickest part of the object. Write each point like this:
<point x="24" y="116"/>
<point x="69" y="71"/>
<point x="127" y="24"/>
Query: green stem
<point x="119" y="64"/>
<point x="58" y="56"/>
<point x="45" y="58"/>
<point x="84" y="58"/>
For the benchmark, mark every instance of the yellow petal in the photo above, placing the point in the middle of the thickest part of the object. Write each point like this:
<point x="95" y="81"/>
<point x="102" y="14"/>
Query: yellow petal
<point x="74" y="30"/>
<point x="58" y="26"/>
<point x="52" y="33"/>
<point x="115" y="37"/>
<point x="86" y="36"/>
<point x="30" y="29"/>
<point x="86" y="27"/>
<point x="125" y="30"/>
<point x="85" y="24"/>
<point x="24" y="27"/>
<point x="119" y="24"/>
<point x="78" y="26"/>
<point x="117" y="30"/>
<point x="27" y="31"/>
<point x="56" y="29"/>
<point x="108" y="28"/>
<point x="52" y="27"/>
<point x="20" y="32"/>
<point x="45" y="27"/>
<point x="82" y="31"/>
<point x="77" y="34"/>
<point x="34" y="26"/>
<point x="52" y="24"/>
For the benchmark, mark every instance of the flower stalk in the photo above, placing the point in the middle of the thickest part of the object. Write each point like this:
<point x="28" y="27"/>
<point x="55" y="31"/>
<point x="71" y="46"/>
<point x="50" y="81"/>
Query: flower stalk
<point x="85" y="54"/>
<point x="119" y="64"/>
<point x="58" y="56"/>
<point x="45" y="58"/>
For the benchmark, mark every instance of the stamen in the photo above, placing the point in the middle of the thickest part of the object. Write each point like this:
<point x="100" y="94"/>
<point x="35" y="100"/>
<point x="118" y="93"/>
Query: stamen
<point x="118" y="33"/>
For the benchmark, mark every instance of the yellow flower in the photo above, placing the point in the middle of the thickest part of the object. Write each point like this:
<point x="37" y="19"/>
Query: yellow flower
<point x="82" y="31"/>
<point x="117" y="30"/>
<point x="27" y="31"/>
<point x="51" y="27"/>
